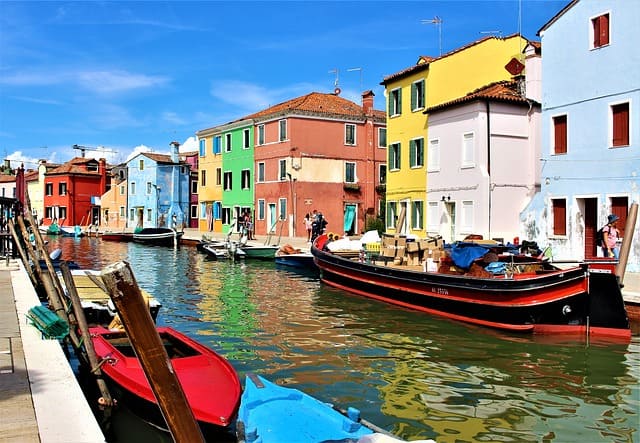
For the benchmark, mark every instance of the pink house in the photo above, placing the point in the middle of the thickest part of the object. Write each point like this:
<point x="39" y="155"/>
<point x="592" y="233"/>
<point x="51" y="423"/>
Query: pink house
<point x="319" y="152"/>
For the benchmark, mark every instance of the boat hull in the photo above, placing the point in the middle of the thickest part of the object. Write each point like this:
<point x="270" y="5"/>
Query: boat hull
<point x="301" y="260"/>
<point x="158" y="236"/>
<point x="273" y="414"/>
<point x="259" y="252"/>
<point x="117" y="236"/>
<point x="210" y="383"/>
<point x="578" y="300"/>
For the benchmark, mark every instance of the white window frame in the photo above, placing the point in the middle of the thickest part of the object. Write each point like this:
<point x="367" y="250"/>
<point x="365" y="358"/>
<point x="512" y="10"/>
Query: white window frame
<point x="245" y="179"/>
<point x="132" y="188"/>
<point x="592" y="47"/>
<point x="346" y="171"/>
<point x="417" y="217"/>
<point x="413" y="160"/>
<point x="348" y="142"/>
<point x="122" y="212"/>
<point x="420" y="99"/>
<point x="282" y="170"/>
<point x="391" y="149"/>
<point x="392" y="210"/>
<point x="466" y="217"/>
<point x="228" y="142"/>
<point x="282" y="130"/>
<point x="246" y="138"/>
<point x="433" y="155"/>
<point x="261" y="172"/>
<point x="468" y="152"/>
<point x="433" y="216"/>
<point x="395" y="96"/>
<point x="261" y="209"/>
<point x="227" y="185"/>
<point x="282" y="208"/>
<point x="261" y="135"/>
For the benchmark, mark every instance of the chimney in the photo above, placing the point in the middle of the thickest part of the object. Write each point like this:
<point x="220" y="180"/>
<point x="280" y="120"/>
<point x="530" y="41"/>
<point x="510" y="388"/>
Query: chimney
<point x="367" y="102"/>
<point x="175" y="147"/>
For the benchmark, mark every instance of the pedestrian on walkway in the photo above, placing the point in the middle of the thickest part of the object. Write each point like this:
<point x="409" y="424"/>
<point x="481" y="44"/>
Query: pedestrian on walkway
<point x="610" y="236"/>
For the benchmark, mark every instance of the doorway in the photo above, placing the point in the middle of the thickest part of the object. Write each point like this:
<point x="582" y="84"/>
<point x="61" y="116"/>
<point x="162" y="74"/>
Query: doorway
<point x="590" y="212"/>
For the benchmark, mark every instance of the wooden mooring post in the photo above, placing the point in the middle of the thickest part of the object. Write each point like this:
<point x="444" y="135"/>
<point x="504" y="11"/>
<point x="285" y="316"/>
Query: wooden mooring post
<point x="137" y="321"/>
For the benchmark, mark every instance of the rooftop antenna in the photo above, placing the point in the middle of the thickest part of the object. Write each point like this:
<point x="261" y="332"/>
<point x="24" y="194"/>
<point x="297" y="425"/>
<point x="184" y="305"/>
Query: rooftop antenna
<point x="357" y="69"/>
<point x="336" y="89"/>
<point x="496" y="33"/>
<point x="438" y="22"/>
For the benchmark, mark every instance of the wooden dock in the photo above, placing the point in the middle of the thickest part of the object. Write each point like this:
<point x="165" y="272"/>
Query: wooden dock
<point x="35" y="375"/>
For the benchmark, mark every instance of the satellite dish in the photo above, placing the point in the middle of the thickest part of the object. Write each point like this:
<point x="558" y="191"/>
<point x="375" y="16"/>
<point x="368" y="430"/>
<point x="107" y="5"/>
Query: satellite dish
<point x="337" y="91"/>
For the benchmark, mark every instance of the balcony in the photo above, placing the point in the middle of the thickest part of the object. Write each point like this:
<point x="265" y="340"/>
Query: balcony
<point x="351" y="187"/>
<point x="381" y="189"/>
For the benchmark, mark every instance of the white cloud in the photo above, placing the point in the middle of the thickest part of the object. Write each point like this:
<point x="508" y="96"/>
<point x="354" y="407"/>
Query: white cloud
<point x="108" y="82"/>
<point x="189" y="145"/>
<point x="137" y="150"/>
<point x="254" y="97"/>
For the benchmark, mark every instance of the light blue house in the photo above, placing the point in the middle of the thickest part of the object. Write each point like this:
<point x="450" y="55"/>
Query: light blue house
<point x="158" y="190"/>
<point x="590" y="141"/>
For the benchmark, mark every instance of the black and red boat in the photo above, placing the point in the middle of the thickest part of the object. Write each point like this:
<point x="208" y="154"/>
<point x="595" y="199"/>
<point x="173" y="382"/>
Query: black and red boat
<point x="582" y="299"/>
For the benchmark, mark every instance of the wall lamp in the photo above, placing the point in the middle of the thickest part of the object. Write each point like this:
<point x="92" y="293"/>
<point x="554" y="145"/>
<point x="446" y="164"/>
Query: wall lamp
<point x="447" y="198"/>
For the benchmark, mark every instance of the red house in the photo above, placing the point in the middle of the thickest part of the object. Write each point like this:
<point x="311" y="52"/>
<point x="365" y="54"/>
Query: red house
<point x="319" y="152"/>
<point x="72" y="192"/>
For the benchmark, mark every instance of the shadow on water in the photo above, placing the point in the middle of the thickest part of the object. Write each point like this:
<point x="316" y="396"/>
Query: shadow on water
<point x="416" y="375"/>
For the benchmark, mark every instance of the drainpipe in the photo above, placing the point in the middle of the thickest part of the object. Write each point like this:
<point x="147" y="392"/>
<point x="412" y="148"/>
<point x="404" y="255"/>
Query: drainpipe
<point x="488" y="110"/>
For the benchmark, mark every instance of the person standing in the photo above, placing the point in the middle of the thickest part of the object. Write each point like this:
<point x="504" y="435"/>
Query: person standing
<point x="610" y="237"/>
<point x="308" y="224"/>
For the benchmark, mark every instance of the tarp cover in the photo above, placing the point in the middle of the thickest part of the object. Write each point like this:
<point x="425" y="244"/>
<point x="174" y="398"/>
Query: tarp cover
<point x="463" y="254"/>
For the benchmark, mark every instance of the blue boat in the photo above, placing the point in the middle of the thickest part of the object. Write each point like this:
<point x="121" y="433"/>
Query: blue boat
<point x="271" y="413"/>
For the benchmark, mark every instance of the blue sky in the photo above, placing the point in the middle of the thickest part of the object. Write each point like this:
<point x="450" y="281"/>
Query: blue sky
<point x="130" y="76"/>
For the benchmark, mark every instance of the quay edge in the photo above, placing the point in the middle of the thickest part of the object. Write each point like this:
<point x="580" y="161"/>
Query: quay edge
<point x="41" y="399"/>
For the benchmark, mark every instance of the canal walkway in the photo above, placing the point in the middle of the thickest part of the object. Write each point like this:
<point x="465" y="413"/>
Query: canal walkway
<point x="40" y="399"/>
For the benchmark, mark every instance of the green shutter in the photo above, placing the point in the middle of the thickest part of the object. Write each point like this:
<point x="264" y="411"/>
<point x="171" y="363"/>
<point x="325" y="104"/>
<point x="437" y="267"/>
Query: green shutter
<point x="413" y="96"/>
<point x="399" y="111"/>
<point x="412" y="153"/>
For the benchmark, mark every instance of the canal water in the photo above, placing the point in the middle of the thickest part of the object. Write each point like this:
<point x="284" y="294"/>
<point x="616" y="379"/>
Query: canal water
<point x="415" y="375"/>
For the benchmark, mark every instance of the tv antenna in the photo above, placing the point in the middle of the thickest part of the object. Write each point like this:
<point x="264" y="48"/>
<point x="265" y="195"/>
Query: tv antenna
<point x="336" y="89"/>
<point x="357" y="69"/>
<point x="82" y="149"/>
<point x="496" y="33"/>
<point x="438" y="22"/>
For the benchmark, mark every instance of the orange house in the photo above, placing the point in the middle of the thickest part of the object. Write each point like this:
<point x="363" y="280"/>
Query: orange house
<point x="318" y="152"/>
<point x="72" y="192"/>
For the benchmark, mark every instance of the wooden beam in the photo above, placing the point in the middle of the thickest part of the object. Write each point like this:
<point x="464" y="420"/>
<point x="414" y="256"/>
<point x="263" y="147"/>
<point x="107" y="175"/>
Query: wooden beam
<point x="137" y="321"/>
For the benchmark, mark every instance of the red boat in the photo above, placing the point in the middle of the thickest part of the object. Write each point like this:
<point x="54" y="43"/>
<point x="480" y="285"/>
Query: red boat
<point x="117" y="236"/>
<point x="584" y="299"/>
<point x="209" y="382"/>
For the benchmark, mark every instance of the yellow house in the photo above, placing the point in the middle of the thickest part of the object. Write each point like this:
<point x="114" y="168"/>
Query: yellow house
<point x="210" y="180"/>
<point x="35" y="187"/>
<point x="433" y="80"/>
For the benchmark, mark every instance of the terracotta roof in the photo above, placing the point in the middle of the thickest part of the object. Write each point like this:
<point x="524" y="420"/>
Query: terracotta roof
<point x="31" y="176"/>
<point x="502" y="91"/>
<point x="318" y="104"/>
<point x="424" y="61"/>
<point x="7" y="178"/>
<point x="77" y="165"/>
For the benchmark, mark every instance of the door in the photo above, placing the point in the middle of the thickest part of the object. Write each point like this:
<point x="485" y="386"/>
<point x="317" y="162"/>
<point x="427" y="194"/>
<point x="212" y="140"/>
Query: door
<point x="350" y="219"/>
<point x="273" y="218"/>
<point x="590" y="227"/>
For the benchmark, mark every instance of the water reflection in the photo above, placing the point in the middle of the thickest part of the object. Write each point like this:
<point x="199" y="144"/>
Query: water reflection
<point x="416" y="375"/>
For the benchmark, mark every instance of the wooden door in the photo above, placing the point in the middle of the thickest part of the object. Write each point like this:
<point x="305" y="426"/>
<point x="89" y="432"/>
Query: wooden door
<point x="590" y="227"/>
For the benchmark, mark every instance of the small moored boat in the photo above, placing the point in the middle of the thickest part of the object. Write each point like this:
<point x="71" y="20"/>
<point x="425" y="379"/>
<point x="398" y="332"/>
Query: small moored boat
<point x="117" y="236"/>
<point x="210" y="383"/>
<point x="287" y="255"/>
<point x="158" y="236"/>
<point x="274" y="414"/>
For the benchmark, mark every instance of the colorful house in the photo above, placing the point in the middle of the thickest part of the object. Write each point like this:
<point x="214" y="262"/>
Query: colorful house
<point x="158" y="194"/>
<point x="431" y="82"/>
<point x="318" y="152"/>
<point x="114" y="201"/>
<point x="590" y="135"/>
<point x="191" y="159"/>
<point x="210" y="180"/>
<point x="35" y="187"/>
<point x="72" y="192"/>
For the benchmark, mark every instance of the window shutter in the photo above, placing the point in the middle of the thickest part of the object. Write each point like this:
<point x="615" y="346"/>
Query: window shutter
<point x="620" y="124"/>
<point x="560" y="134"/>
<point x="412" y="153"/>
<point x="399" y="110"/>
<point x="604" y="30"/>
<point x="413" y="96"/>
<point x="559" y="217"/>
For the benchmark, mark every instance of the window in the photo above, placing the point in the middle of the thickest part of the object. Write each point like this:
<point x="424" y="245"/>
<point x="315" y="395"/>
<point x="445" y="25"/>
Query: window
<point x="559" y="208"/>
<point x="383" y="174"/>
<point x="600" y="31"/>
<point x="62" y="188"/>
<point x="466" y="213"/>
<point x="226" y="216"/>
<point x="132" y="189"/>
<point x="194" y="186"/>
<point x="468" y="150"/>
<point x="194" y="212"/>
<point x="121" y="189"/>
<point x="141" y="164"/>
<point x="349" y="134"/>
<point x="92" y="167"/>
<point x="261" y="172"/>
<point x="149" y="212"/>
<point x="283" y="130"/>
<point x="560" y="134"/>
<point x="246" y="179"/>
<point x="48" y="212"/>
<point x="417" y="209"/>
<point x="283" y="208"/>
<point x="132" y="214"/>
<point x="620" y="124"/>
<point x="218" y="176"/>
<point x="217" y="142"/>
<point x="394" y="156"/>
<point x="382" y="137"/>
<point x="202" y="148"/>
<point x="350" y="172"/>
<point x="122" y="213"/>
<point x="395" y="102"/>
<point x="217" y="210"/>
<point x="433" y="157"/>
<point x="62" y="212"/>
<point x="391" y="214"/>
<point x="417" y="95"/>
<point x="203" y="178"/>
<point x="228" y="181"/>
<point x="48" y="189"/>
<point x="227" y="142"/>
<point x="261" y="208"/>
<point x="433" y="219"/>
<point x="148" y="188"/>
<point x="416" y="153"/>
<point x="261" y="135"/>
<point x="282" y="171"/>
<point x="246" y="139"/>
